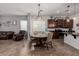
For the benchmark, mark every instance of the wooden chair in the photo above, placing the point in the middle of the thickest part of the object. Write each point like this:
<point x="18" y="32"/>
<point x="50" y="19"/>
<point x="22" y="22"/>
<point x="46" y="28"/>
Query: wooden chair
<point x="32" y="41"/>
<point x="48" y="43"/>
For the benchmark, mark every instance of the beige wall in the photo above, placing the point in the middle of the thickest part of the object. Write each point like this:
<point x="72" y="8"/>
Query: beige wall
<point x="10" y="27"/>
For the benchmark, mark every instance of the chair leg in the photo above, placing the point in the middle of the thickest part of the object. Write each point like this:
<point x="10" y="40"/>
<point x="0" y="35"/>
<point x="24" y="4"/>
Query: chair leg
<point x="47" y="47"/>
<point x="30" y="44"/>
<point x="51" y="45"/>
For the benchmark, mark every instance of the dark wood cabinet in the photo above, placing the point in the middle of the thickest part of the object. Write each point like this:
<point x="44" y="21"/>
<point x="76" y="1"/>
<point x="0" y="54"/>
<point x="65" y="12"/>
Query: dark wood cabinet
<point x="68" y="24"/>
<point x="60" y="23"/>
<point x="52" y="23"/>
<point x="55" y="35"/>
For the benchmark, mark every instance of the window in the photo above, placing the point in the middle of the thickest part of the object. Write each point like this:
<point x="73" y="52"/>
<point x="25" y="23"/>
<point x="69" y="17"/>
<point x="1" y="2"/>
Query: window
<point x="39" y="25"/>
<point x="23" y="25"/>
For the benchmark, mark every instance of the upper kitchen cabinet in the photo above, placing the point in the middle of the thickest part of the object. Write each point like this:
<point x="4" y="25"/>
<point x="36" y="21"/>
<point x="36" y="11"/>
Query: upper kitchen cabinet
<point x="59" y="23"/>
<point x="52" y="23"/>
<point x="68" y="23"/>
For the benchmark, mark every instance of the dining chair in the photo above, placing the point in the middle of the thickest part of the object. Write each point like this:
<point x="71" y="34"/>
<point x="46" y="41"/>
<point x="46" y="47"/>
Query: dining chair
<point x="33" y="42"/>
<point x="48" y="42"/>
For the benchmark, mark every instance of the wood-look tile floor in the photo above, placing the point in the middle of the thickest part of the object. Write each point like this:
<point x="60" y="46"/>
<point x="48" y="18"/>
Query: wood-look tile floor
<point x="21" y="48"/>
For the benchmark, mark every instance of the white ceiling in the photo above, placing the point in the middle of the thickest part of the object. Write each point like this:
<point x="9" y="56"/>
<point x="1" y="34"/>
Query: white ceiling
<point x="48" y="8"/>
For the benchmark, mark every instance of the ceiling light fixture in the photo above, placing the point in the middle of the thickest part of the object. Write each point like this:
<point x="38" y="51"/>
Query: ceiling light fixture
<point x="68" y="13"/>
<point x="39" y="16"/>
<point x="74" y="11"/>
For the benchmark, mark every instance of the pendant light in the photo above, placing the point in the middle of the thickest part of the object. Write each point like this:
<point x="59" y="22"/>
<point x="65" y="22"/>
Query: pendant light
<point x="74" y="11"/>
<point x="68" y="12"/>
<point x="39" y="16"/>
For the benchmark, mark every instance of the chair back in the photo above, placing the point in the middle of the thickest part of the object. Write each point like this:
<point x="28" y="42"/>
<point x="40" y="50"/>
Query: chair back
<point x="22" y="32"/>
<point x="49" y="38"/>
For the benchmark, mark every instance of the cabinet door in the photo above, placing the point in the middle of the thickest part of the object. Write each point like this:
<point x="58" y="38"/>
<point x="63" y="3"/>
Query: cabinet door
<point x="52" y="24"/>
<point x="68" y="24"/>
<point x="60" y="23"/>
<point x="55" y="35"/>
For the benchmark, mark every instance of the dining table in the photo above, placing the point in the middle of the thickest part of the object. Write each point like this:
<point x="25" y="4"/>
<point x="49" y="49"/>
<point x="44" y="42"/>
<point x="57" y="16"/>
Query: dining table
<point x="40" y="37"/>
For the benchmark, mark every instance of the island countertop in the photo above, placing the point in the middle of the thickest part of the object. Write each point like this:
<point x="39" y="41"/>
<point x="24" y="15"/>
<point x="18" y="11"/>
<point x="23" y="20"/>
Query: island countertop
<point x="72" y="40"/>
<point x="76" y="34"/>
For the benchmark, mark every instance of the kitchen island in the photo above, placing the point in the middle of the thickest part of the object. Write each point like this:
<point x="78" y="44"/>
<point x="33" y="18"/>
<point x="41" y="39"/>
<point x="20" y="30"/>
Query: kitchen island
<point x="72" y="39"/>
